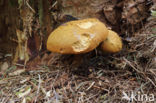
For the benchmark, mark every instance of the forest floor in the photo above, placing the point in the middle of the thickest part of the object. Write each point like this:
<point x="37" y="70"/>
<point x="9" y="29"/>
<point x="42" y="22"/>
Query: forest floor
<point x="128" y="76"/>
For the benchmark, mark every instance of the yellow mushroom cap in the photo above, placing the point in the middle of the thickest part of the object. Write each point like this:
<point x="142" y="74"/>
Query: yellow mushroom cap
<point x="113" y="43"/>
<point x="77" y="37"/>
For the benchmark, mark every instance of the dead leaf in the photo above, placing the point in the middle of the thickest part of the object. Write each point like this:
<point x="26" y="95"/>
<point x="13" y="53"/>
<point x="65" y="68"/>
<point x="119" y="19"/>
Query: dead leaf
<point x="4" y="67"/>
<point x="17" y="72"/>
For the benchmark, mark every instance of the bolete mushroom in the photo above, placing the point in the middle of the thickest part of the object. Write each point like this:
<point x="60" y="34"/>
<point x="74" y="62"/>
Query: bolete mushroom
<point x="76" y="37"/>
<point x="112" y="44"/>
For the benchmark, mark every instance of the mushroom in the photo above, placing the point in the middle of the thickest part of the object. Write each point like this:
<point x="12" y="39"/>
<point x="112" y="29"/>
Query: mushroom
<point x="76" y="37"/>
<point x="113" y="43"/>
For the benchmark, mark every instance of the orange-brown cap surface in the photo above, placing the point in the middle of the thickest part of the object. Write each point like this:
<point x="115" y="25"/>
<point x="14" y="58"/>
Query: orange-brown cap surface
<point x="77" y="37"/>
<point x="112" y="44"/>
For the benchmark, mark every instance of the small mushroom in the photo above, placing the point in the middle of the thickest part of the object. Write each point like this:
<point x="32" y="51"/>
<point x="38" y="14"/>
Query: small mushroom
<point x="76" y="37"/>
<point x="112" y="44"/>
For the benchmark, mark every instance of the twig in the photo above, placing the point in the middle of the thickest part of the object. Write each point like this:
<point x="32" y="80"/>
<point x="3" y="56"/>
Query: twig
<point x="152" y="82"/>
<point x="129" y="63"/>
<point x="30" y="7"/>
<point x="54" y="4"/>
<point x="39" y="85"/>
<point x="90" y="86"/>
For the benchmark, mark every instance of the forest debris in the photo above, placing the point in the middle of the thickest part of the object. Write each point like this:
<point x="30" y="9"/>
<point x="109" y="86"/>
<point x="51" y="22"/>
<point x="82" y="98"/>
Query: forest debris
<point x="111" y="13"/>
<point x="36" y="62"/>
<point x="30" y="7"/>
<point x="24" y="92"/>
<point x="81" y="8"/>
<point x="17" y="72"/>
<point x="1" y="55"/>
<point x="153" y="13"/>
<point x="27" y="17"/>
<point x="4" y="67"/>
<point x="25" y="80"/>
<point x="21" y="50"/>
<point x="8" y="55"/>
<point x="154" y="46"/>
<point x="24" y="100"/>
<point x="104" y="86"/>
<point x="134" y="11"/>
<point x="3" y="81"/>
<point x="90" y="86"/>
